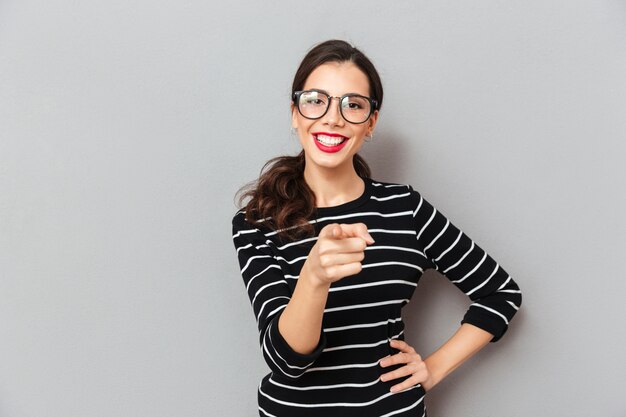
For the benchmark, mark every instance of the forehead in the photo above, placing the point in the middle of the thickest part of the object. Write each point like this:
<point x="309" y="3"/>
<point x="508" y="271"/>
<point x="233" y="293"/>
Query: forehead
<point x="338" y="78"/>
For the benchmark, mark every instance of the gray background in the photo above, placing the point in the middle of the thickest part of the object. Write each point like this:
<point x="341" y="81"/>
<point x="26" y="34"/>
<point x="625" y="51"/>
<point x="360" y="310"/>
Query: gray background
<point x="127" y="127"/>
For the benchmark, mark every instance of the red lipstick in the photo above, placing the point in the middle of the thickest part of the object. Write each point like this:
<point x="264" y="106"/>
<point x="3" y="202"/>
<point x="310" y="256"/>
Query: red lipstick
<point x="327" y="147"/>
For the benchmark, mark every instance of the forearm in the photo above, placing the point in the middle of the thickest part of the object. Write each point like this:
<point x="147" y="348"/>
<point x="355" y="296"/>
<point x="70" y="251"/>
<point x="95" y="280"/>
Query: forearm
<point x="300" y="323"/>
<point x="467" y="340"/>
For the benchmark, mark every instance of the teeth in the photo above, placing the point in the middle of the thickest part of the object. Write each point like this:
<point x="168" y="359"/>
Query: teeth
<point x="329" y="140"/>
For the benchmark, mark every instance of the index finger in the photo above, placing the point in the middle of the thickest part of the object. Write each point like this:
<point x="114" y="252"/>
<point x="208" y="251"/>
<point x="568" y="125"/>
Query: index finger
<point x="356" y="230"/>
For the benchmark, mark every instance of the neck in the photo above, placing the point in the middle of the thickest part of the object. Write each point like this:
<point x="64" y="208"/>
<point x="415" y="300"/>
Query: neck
<point x="335" y="186"/>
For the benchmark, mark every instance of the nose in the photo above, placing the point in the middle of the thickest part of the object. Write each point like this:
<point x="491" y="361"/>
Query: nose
<point x="333" y="115"/>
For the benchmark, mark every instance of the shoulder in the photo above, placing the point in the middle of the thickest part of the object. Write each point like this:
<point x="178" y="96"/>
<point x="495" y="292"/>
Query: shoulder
<point x="242" y="226"/>
<point x="386" y="190"/>
<point x="399" y="196"/>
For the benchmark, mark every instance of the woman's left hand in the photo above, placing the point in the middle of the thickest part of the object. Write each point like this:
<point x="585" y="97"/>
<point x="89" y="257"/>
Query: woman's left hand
<point x="415" y="367"/>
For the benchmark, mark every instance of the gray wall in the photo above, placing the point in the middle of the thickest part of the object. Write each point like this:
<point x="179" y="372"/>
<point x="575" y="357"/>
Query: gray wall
<point x="125" y="132"/>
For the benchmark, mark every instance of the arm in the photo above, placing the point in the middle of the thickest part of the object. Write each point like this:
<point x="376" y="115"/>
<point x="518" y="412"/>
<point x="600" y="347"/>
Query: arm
<point x="466" y="342"/>
<point x="269" y="295"/>
<point x="290" y="325"/>
<point x="337" y="253"/>
<point x="496" y="298"/>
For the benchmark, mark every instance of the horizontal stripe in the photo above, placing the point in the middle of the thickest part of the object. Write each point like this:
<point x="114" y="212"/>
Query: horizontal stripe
<point x="364" y="214"/>
<point x="399" y="248"/>
<point x="266" y="413"/>
<point x="357" y="306"/>
<point x="377" y="264"/>
<point x="244" y="232"/>
<point x="249" y="245"/>
<point x="377" y="184"/>
<point x="338" y="404"/>
<point x="363" y="345"/>
<point x="251" y="259"/>
<point x="402" y="410"/>
<point x="451" y="246"/>
<point x="271" y="284"/>
<point x="485" y="281"/>
<point x="269" y="301"/>
<point x="362" y="326"/>
<point x="438" y="236"/>
<point x="345" y="366"/>
<point x="345" y="216"/>
<point x="331" y="386"/>
<point x="491" y="310"/>
<point x="403" y="232"/>
<point x="297" y="242"/>
<point x="373" y="284"/>
<point x="390" y="197"/>
<point x="298" y="259"/>
<point x="472" y="271"/>
<point x="460" y="260"/>
<point x="261" y="273"/>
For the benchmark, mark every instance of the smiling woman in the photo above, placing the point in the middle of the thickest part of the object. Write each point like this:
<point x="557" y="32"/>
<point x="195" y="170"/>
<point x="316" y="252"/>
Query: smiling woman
<point x="329" y="257"/>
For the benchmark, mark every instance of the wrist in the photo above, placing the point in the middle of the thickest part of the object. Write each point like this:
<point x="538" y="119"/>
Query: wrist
<point x="437" y="370"/>
<point x="311" y="280"/>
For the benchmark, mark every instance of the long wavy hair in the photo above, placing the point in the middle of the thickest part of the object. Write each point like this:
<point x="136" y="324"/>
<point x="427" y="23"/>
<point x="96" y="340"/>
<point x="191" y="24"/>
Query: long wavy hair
<point x="280" y="198"/>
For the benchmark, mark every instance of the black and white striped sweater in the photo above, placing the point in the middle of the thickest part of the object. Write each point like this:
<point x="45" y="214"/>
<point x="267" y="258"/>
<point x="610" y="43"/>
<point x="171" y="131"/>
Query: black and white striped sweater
<point x="363" y="311"/>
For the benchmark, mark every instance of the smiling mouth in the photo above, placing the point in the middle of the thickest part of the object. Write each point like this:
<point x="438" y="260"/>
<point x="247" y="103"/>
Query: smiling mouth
<point x="330" y="141"/>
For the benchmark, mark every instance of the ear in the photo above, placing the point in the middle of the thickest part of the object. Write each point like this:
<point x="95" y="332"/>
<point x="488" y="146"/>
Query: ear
<point x="372" y="121"/>
<point x="294" y="116"/>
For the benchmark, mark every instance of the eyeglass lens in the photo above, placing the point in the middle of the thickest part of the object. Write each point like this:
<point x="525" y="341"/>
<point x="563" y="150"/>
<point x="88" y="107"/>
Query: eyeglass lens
<point x="313" y="105"/>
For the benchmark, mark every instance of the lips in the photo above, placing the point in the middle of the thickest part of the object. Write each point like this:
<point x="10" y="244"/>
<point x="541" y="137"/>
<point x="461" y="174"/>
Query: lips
<point x="329" y="142"/>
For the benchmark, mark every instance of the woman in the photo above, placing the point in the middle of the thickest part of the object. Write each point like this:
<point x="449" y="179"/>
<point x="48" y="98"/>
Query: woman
<point x="329" y="257"/>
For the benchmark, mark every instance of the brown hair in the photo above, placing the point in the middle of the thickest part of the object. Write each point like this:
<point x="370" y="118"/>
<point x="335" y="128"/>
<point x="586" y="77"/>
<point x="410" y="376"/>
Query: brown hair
<point x="281" y="198"/>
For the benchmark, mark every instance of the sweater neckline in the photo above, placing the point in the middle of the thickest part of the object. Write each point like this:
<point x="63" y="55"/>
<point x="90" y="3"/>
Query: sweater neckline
<point x="349" y="205"/>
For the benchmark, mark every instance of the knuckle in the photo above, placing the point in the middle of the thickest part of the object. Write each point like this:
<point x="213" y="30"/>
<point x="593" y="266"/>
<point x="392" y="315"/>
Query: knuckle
<point x="331" y="273"/>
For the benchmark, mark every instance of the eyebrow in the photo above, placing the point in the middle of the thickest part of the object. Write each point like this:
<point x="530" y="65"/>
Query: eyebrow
<point x="319" y="90"/>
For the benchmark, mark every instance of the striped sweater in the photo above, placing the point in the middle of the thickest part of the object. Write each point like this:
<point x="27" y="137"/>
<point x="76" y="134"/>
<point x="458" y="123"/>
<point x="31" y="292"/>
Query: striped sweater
<point x="363" y="311"/>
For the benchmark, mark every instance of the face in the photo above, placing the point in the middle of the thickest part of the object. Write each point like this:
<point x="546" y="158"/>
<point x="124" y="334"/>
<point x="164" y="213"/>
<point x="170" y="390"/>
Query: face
<point x="336" y="79"/>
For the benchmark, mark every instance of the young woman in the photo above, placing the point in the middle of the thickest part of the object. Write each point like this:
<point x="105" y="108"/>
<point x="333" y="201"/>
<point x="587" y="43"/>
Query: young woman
<point x="330" y="256"/>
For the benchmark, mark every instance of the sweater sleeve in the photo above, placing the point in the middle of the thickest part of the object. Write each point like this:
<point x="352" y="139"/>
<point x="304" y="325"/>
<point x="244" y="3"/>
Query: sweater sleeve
<point x="269" y="294"/>
<point x="495" y="296"/>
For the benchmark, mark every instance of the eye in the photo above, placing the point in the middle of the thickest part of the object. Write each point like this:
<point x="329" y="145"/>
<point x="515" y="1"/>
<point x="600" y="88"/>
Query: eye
<point x="355" y="103"/>
<point x="312" y="98"/>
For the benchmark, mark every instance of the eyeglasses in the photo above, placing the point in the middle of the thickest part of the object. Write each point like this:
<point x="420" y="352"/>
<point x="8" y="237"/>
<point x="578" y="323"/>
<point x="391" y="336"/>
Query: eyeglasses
<point x="314" y="104"/>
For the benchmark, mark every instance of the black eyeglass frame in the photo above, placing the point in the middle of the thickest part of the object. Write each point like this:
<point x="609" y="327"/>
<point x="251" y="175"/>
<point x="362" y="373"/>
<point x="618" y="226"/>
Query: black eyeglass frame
<point x="296" y="100"/>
